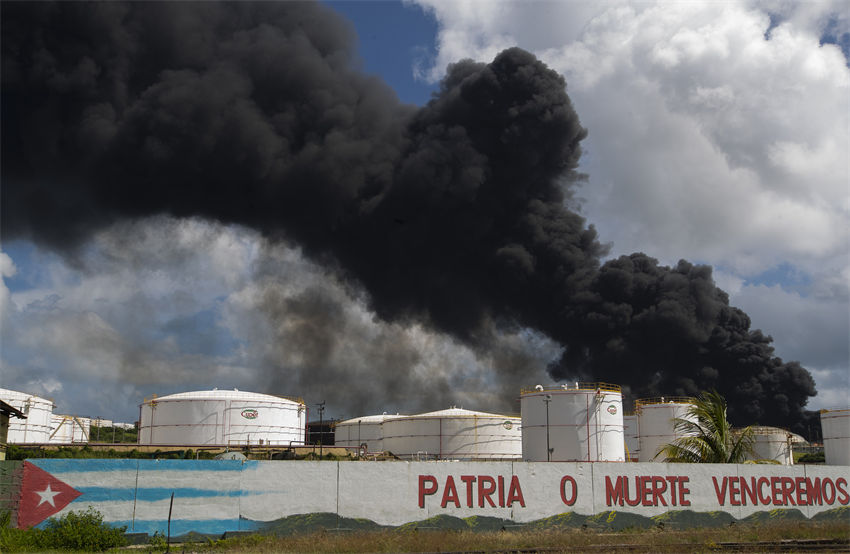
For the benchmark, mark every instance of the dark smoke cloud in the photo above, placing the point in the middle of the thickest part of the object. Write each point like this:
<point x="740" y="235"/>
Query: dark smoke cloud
<point x="317" y="335"/>
<point x="452" y="216"/>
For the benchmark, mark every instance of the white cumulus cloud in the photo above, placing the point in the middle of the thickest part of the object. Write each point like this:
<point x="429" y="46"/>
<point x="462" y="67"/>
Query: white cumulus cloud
<point x="719" y="132"/>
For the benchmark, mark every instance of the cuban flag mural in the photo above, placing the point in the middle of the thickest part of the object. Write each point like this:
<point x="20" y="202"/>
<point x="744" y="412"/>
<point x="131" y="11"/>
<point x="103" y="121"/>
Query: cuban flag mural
<point x="42" y="495"/>
<point x="137" y="493"/>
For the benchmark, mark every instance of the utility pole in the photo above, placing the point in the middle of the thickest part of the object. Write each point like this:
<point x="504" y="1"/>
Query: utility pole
<point x="547" y="399"/>
<point x="321" y="406"/>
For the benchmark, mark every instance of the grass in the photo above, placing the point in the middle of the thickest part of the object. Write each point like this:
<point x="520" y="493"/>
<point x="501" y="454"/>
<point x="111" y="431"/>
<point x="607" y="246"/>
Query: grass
<point x="605" y="532"/>
<point x="554" y="540"/>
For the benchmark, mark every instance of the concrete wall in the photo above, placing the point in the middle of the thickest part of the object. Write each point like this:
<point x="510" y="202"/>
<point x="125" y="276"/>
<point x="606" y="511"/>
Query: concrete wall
<point x="218" y="496"/>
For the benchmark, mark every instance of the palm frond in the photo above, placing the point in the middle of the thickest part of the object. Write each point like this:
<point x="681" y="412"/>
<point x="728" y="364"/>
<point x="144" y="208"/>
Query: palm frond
<point x="707" y="436"/>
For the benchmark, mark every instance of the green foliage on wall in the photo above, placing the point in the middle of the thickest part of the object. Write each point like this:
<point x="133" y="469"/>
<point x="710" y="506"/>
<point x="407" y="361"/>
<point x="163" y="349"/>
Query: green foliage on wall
<point x="18" y="452"/>
<point x="84" y="531"/>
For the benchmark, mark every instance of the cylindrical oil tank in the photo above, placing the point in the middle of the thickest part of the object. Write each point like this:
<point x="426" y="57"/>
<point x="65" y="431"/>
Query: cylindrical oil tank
<point x="222" y="417"/>
<point x="36" y="427"/>
<point x="575" y="422"/>
<point x="835" y="426"/>
<point x="656" y="427"/>
<point x="630" y="434"/>
<point x="362" y="430"/>
<point x="453" y="434"/>
<point x="772" y="443"/>
<point x="67" y="429"/>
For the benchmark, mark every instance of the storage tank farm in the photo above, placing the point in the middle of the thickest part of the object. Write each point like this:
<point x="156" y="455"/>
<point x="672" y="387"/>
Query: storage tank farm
<point x="835" y="426"/>
<point x="656" y="427"/>
<point x="222" y="417"/>
<point x="573" y="422"/>
<point x="67" y="429"/>
<point x="772" y="443"/>
<point x="453" y="434"/>
<point x="366" y="430"/>
<point x="36" y="428"/>
<point x="630" y="434"/>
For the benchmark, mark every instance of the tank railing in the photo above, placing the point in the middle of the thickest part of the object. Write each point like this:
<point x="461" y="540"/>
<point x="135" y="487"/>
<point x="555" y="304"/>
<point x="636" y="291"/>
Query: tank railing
<point x="575" y="385"/>
<point x="663" y="400"/>
<point x="494" y="417"/>
<point x="764" y="430"/>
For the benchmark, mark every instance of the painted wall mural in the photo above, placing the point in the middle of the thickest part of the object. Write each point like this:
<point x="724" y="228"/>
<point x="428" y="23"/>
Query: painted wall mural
<point x="230" y="495"/>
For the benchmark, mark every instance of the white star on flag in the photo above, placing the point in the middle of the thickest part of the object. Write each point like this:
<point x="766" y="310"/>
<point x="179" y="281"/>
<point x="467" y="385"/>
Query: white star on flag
<point x="47" y="496"/>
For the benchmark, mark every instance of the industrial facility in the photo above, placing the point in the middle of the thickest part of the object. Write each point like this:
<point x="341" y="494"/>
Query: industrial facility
<point x="571" y="422"/>
<point x="37" y="426"/>
<point x="835" y="426"/>
<point x="578" y="422"/>
<point x="453" y="434"/>
<point x="68" y="429"/>
<point x="656" y="423"/>
<point x="360" y="431"/>
<point x="222" y="417"/>
<point x="773" y="444"/>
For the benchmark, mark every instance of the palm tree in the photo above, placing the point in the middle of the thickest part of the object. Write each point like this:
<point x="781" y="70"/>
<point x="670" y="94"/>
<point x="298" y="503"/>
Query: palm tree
<point x="708" y="437"/>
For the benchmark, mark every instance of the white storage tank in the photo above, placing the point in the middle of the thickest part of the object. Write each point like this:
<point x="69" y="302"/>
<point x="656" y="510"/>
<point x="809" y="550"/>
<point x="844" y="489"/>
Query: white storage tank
<point x="630" y="434"/>
<point x="362" y="430"/>
<point x="100" y="422"/>
<point x="36" y="428"/>
<point x="772" y="443"/>
<point x="222" y="417"/>
<point x="577" y="422"/>
<point x="655" y="423"/>
<point x="453" y="434"/>
<point x="835" y="427"/>
<point x="67" y="429"/>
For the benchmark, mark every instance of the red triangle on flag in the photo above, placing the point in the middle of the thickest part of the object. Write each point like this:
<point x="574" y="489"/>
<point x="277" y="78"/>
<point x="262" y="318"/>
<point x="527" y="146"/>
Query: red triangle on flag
<point x="42" y="495"/>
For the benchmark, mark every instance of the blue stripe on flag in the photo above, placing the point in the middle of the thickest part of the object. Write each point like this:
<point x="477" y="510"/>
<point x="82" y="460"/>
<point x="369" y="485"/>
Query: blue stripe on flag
<point x="59" y="465"/>
<point x="197" y="465"/>
<point x="152" y="494"/>
<point x="183" y="526"/>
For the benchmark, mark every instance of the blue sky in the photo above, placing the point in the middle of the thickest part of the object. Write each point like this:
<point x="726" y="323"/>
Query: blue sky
<point x="392" y="38"/>
<point x="710" y="139"/>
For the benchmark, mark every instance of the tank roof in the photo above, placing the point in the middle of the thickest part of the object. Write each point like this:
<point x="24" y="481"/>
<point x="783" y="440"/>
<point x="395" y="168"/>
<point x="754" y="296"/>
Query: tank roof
<point x="224" y="394"/>
<point x="460" y="412"/>
<point x="8" y="394"/>
<point x="371" y="418"/>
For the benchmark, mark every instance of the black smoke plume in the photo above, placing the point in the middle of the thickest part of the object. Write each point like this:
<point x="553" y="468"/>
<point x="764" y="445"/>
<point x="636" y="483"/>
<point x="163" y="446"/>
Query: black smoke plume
<point x="452" y="215"/>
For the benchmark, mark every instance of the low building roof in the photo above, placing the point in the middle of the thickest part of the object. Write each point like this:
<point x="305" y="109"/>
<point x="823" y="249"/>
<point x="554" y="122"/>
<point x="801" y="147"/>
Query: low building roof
<point x="11" y="410"/>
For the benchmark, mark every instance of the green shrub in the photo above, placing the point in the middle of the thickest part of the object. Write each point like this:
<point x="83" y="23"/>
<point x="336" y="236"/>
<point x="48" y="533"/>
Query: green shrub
<point x="81" y="531"/>
<point x="812" y="458"/>
<point x="16" y="540"/>
<point x="158" y="541"/>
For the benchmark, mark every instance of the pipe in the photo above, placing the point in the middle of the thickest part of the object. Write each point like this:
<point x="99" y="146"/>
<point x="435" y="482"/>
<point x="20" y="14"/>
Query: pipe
<point x="587" y="423"/>
<point x="440" y="438"/>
